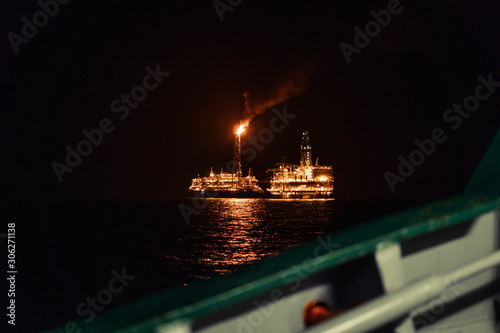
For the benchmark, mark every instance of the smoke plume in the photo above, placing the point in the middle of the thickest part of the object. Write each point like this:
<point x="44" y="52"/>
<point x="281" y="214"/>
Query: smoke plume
<point x="292" y="85"/>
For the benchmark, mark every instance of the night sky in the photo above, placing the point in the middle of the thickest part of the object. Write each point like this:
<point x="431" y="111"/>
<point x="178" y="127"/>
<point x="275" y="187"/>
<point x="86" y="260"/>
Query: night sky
<point x="360" y="115"/>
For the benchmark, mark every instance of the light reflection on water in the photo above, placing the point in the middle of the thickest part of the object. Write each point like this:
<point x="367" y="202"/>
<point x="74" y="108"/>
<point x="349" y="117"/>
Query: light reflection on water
<point x="231" y="232"/>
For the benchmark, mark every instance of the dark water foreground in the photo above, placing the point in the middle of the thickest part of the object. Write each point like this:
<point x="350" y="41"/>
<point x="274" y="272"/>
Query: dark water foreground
<point x="69" y="254"/>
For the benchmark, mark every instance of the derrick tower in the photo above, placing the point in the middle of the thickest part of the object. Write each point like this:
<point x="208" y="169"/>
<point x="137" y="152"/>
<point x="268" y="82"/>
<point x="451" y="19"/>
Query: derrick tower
<point x="305" y="150"/>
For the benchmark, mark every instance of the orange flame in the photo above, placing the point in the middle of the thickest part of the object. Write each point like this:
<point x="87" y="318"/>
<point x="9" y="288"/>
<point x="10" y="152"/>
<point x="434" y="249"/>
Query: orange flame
<point x="240" y="129"/>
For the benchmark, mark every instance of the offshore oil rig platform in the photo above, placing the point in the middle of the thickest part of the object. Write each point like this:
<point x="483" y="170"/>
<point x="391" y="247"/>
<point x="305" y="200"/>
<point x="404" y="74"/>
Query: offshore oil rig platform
<point x="228" y="185"/>
<point x="303" y="180"/>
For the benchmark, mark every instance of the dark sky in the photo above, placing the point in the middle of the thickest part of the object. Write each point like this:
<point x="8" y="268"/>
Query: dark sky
<point x="361" y="116"/>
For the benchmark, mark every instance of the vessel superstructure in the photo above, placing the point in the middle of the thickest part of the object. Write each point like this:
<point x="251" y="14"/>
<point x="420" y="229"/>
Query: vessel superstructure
<point x="226" y="185"/>
<point x="303" y="180"/>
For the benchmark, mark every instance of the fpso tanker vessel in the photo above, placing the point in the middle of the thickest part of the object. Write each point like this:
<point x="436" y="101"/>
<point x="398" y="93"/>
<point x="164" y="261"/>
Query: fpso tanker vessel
<point x="303" y="180"/>
<point x="226" y="185"/>
<point x="287" y="181"/>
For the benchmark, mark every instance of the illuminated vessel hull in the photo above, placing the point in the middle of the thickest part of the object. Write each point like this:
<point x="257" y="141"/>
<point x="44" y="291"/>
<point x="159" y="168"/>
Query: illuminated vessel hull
<point x="301" y="195"/>
<point x="225" y="185"/>
<point x="291" y="181"/>
<point x="227" y="194"/>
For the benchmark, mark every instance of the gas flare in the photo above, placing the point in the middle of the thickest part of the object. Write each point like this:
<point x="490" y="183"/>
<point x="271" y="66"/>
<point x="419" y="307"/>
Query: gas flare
<point x="241" y="129"/>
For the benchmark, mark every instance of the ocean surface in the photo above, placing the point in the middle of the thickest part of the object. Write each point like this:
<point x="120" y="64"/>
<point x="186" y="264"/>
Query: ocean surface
<point x="67" y="251"/>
